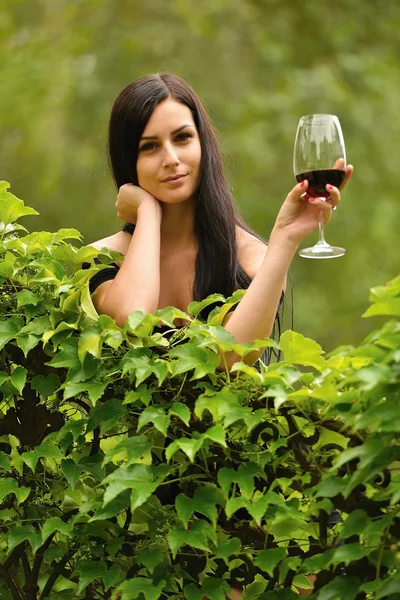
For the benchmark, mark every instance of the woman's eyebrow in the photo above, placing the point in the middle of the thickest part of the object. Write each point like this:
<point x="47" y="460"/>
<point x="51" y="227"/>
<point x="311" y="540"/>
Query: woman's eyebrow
<point x="155" y="137"/>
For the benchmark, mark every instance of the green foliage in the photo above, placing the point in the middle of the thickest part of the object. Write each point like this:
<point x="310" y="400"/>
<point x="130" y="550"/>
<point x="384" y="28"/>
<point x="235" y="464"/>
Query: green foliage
<point x="131" y="468"/>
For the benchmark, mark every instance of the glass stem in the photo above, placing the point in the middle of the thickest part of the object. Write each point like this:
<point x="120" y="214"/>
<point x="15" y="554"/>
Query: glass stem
<point x="321" y="228"/>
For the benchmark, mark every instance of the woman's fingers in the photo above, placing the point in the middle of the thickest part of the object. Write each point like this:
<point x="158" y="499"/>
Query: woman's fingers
<point x="297" y="192"/>
<point x="348" y="171"/>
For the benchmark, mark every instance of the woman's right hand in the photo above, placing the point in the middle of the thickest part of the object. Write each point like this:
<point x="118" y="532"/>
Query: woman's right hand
<point x="130" y="198"/>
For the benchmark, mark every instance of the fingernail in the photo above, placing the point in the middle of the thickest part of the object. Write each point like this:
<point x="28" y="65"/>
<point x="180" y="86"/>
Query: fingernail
<point x="329" y="186"/>
<point x="303" y="183"/>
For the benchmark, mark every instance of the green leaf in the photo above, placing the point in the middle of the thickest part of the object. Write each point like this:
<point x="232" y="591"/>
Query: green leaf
<point x="142" y="479"/>
<point x="45" y="385"/>
<point x="155" y="415"/>
<point x="355" y="524"/>
<point x="89" y="342"/>
<point x="268" y="559"/>
<point x="390" y="306"/>
<point x="212" y="587"/>
<point x="11" y="208"/>
<point x="168" y="315"/>
<point x="88" y="571"/>
<point x="203" y="502"/>
<point x="390" y="587"/>
<point x="340" y="588"/>
<point x="181" y="411"/>
<point x="71" y="471"/>
<point x="21" y="534"/>
<point x="139" y="587"/>
<point x="197" y="537"/>
<point x="151" y="557"/>
<point x="18" y="378"/>
<point x="27" y="297"/>
<point x="134" y="447"/>
<point x="95" y="390"/>
<point x="202" y="360"/>
<point x="188" y="445"/>
<point x="349" y="553"/>
<point x="56" y="524"/>
<point x="301" y="351"/>
<point x="106" y="415"/>
<point x="226" y="548"/>
<point x="9" y="329"/>
<point x="5" y="461"/>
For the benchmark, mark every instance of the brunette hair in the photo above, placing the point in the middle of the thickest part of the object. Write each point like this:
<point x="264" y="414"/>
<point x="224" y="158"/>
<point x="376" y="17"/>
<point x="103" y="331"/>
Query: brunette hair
<point x="217" y="266"/>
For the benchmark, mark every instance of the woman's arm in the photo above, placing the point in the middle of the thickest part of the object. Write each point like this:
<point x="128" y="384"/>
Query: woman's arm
<point x="137" y="283"/>
<point x="255" y="314"/>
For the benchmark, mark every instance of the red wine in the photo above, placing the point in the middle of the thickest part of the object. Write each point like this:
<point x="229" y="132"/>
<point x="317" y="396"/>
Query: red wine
<point x="318" y="179"/>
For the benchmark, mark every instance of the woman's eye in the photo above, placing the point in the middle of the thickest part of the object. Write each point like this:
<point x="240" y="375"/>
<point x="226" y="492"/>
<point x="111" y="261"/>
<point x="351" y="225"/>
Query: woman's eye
<point x="149" y="146"/>
<point x="182" y="137"/>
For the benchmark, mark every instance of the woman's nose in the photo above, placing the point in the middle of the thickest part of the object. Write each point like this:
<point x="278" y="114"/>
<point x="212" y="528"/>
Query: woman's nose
<point x="170" y="157"/>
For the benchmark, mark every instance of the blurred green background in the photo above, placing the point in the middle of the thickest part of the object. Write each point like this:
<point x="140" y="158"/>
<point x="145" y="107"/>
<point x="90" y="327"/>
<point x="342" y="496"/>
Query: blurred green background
<point x="258" y="65"/>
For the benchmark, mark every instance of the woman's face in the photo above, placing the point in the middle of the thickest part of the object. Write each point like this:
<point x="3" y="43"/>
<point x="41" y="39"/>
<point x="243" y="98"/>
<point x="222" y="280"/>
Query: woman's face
<point x="168" y="164"/>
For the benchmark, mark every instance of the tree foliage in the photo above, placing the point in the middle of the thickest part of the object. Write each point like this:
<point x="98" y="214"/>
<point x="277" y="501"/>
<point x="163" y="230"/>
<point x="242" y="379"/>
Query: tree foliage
<point x="259" y="65"/>
<point x="131" y="468"/>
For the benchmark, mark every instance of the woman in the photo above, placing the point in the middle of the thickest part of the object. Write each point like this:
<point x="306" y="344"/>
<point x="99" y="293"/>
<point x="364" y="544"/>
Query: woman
<point x="183" y="238"/>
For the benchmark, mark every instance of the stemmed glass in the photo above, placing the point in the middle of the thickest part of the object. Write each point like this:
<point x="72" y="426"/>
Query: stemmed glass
<point x="320" y="157"/>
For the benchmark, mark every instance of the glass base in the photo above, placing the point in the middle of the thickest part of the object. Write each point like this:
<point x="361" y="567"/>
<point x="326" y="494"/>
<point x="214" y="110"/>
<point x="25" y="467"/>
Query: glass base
<point x="322" y="250"/>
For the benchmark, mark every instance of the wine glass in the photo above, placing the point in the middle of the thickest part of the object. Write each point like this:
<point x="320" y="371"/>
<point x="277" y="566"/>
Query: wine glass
<point x="320" y="157"/>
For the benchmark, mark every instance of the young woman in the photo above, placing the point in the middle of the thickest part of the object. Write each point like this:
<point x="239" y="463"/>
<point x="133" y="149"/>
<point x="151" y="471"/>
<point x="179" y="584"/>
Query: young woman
<point x="183" y="238"/>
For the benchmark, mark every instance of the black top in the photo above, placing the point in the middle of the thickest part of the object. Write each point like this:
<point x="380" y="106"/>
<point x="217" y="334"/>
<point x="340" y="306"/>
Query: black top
<point x="110" y="272"/>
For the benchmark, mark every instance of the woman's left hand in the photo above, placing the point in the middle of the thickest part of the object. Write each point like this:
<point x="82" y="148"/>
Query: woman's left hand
<point x="300" y="213"/>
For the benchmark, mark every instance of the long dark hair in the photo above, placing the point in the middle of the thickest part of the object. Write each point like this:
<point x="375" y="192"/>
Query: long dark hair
<point x="216" y="217"/>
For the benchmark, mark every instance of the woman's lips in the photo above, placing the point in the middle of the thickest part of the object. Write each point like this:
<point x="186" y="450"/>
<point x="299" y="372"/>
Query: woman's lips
<point x="175" y="181"/>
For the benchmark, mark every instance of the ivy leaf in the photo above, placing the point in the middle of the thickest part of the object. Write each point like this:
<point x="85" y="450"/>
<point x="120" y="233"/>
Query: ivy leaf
<point x="106" y="415"/>
<point x="18" y="378"/>
<point x="151" y="557"/>
<point x="45" y="385"/>
<point x="390" y="587"/>
<point x="155" y="415"/>
<point x="189" y="446"/>
<point x="197" y="537"/>
<point x="227" y="548"/>
<point x="349" y="553"/>
<point x="134" y="588"/>
<point x="11" y="207"/>
<point x="212" y="587"/>
<point x="89" y="570"/>
<point x="180" y="410"/>
<point x="5" y="461"/>
<point x="168" y="315"/>
<point x="9" y="329"/>
<point x="202" y="360"/>
<point x="142" y="479"/>
<point x="24" y="533"/>
<point x="25" y="297"/>
<point x="95" y="390"/>
<point x="222" y="405"/>
<point x="93" y="465"/>
<point x="8" y="485"/>
<point x="268" y="559"/>
<point x="67" y="357"/>
<point x="89" y="342"/>
<point x="339" y="588"/>
<point x="390" y="306"/>
<point x="134" y="448"/>
<point x="300" y="350"/>
<point x="355" y="524"/>
<point x="56" y="524"/>
<point x="71" y="471"/>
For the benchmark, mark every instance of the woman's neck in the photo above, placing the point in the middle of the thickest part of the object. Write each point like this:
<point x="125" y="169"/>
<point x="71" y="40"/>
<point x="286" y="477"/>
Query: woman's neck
<point x="177" y="227"/>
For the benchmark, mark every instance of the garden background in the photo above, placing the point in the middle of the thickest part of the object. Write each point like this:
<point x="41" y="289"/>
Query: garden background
<point x="258" y="65"/>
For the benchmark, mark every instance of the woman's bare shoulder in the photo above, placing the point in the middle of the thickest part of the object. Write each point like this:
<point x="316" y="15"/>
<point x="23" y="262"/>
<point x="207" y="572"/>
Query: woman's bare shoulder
<point x="251" y="251"/>
<point x="119" y="242"/>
